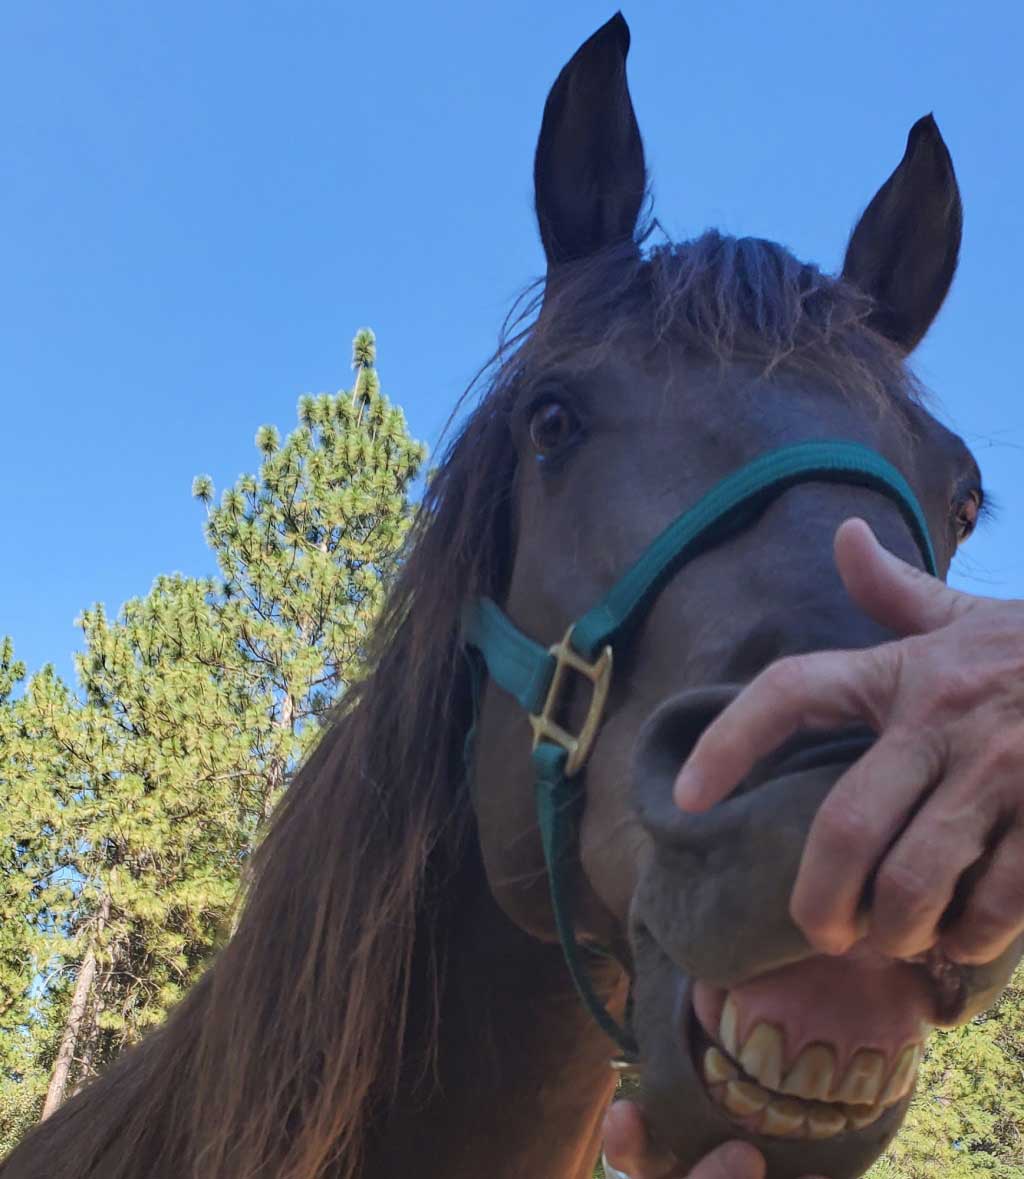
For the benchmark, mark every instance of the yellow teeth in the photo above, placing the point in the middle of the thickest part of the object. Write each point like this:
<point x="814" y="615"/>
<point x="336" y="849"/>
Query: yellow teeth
<point x="863" y="1081"/>
<point x="762" y="1055"/>
<point x="811" y="1074"/>
<point x="903" y="1075"/>
<point x="718" y="1068"/>
<point x="728" y="1028"/>
<point x="780" y="1117"/>
<point x="860" y="1116"/>
<point x="783" y="1119"/>
<point x="824" y="1122"/>
<point x="743" y="1099"/>
<point x="809" y="1100"/>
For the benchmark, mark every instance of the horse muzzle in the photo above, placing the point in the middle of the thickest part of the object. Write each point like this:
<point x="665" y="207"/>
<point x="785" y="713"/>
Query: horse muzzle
<point x="744" y="1030"/>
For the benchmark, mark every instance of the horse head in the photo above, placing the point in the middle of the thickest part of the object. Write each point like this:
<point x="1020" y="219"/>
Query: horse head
<point x="652" y="382"/>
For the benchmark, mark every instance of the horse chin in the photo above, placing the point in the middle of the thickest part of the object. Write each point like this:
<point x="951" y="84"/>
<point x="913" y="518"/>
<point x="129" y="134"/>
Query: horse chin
<point x="697" y="1094"/>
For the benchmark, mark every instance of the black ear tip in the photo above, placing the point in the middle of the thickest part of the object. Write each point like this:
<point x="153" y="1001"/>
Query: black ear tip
<point x="925" y="141"/>
<point x="924" y="130"/>
<point x="615" y="32"/>
<point x="618" y="23"/>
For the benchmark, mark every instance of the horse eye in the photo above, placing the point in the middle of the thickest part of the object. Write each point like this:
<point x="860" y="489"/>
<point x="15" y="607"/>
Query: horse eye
<point x="551" y="427"/>
<point x="967" y="516"/>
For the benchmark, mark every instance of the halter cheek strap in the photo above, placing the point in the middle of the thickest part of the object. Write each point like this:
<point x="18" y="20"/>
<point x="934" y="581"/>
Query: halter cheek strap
<point x="538" y="676"/>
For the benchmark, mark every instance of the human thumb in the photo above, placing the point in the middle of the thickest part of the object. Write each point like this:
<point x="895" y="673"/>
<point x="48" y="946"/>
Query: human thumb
<point x="897" y="595"/>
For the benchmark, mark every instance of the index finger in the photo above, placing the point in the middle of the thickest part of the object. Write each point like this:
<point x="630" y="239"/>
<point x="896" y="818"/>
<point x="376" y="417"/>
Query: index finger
<point x="820" y="690"/>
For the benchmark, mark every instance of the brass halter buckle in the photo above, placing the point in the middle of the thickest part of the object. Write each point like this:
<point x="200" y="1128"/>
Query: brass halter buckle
<point x="599" y="673"/>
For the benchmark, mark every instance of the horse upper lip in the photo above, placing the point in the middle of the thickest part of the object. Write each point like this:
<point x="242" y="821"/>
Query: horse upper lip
<point x="807" y="751"/>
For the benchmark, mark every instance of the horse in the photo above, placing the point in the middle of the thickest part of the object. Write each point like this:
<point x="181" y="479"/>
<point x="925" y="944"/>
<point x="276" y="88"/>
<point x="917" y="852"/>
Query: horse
<point x="634" y="519"/>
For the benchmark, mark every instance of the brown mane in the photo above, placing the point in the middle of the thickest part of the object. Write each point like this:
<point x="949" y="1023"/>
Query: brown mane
<point x="279" y="1061"/>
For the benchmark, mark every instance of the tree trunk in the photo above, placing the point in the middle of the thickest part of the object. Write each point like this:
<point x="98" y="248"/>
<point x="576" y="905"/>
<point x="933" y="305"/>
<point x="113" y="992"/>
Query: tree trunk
<point x="76" y="1017"/>
<point x="275" y="775"/>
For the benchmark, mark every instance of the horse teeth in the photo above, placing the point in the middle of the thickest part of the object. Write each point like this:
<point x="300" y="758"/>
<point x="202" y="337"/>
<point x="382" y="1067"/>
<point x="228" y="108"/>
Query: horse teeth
<point x="825" y="1121"/>
<point x="728" y="1027"/>
<point x="861" y="1116"/>
<point x="783" y="1118"/>
<point x="829" y="1103"/>
<point x="811" y="1075"/>
<point x="904" y="1075"/>
<point x="743" y="1099"/>
<point x="762" y="1055"/>
<point x="863" y="1080"/>
<point x="718" y="1067"/>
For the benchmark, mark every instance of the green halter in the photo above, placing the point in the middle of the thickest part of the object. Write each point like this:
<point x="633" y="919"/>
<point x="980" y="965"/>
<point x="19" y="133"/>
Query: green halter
<point x="536" y="675"/>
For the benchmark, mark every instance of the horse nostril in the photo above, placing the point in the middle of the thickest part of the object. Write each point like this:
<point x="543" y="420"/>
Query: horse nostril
<point x="665" y="742"/>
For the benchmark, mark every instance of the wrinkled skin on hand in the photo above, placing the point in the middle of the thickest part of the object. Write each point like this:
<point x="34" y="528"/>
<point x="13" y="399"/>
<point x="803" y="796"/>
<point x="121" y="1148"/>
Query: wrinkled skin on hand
<point x="941" y="792"/>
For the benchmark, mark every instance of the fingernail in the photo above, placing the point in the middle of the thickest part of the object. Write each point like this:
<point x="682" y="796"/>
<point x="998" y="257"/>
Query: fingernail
<point x="689" y="787"/>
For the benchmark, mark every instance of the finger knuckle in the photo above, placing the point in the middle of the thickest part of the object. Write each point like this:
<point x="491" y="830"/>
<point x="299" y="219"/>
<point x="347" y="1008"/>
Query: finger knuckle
<point x="1004" y="753"/>
<point x="880" y="671"/>
<point x="919" y="749"/>
<point x="906" y="890"/>
<point x="842" y="823"/>
<point x="786" y="680"/>
<point x="953" y="687"/>
<point x="824" y="931"/>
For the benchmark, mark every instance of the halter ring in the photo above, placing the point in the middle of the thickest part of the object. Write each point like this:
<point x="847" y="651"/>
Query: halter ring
<point x="599" y="675"/>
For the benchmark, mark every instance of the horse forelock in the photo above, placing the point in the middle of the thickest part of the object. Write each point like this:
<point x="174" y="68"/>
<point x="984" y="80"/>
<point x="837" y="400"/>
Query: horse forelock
<point x="724" y="300"/>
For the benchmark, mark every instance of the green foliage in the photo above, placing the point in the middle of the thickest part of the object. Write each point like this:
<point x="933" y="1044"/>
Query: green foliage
<point x="202" y="488"/>
<point x="21" y="1098"/>
<point x="133" y="804"/>
<point x="967" y="1120"/>
<point x="364" y="349"/>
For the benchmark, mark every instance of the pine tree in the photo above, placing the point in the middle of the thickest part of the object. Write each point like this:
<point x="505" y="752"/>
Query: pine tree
<point x="15" y="936"/>
<point x="35" y="890"/>
<point x="141" y="798"/>
<point x="305" y="549"/>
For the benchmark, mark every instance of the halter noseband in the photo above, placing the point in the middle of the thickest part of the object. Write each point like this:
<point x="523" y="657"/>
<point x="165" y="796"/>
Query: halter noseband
<point x="536" y="676"/>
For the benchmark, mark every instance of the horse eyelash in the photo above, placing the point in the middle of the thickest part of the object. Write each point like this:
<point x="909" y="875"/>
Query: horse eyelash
<point x="556" y="391"/>
<point x="988" y="508"/>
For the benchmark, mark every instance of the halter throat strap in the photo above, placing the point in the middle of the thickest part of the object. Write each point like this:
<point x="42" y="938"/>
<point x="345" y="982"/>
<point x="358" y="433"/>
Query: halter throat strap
<point x="536" y="675"/>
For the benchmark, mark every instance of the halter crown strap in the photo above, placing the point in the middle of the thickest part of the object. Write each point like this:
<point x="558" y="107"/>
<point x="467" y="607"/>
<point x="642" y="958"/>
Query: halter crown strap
<point x="534" y="674"/>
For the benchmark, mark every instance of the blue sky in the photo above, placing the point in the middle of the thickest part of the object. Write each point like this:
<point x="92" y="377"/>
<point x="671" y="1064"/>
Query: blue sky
<point x="202" y="203"/>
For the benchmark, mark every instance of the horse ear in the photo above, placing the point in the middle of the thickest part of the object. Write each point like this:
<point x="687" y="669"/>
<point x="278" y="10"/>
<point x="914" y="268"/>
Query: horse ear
<point x="588" y="172"/>
<point x="904" y="250"/>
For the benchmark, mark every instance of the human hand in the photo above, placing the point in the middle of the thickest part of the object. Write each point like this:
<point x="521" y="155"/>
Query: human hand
<point x="941" y="791"/>
<point x="628" y="1150"/>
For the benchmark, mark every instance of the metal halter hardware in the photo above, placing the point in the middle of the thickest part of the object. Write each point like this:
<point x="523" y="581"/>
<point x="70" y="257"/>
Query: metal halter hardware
<point x="536" y="675"/>
<point x="544" y="726"/>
